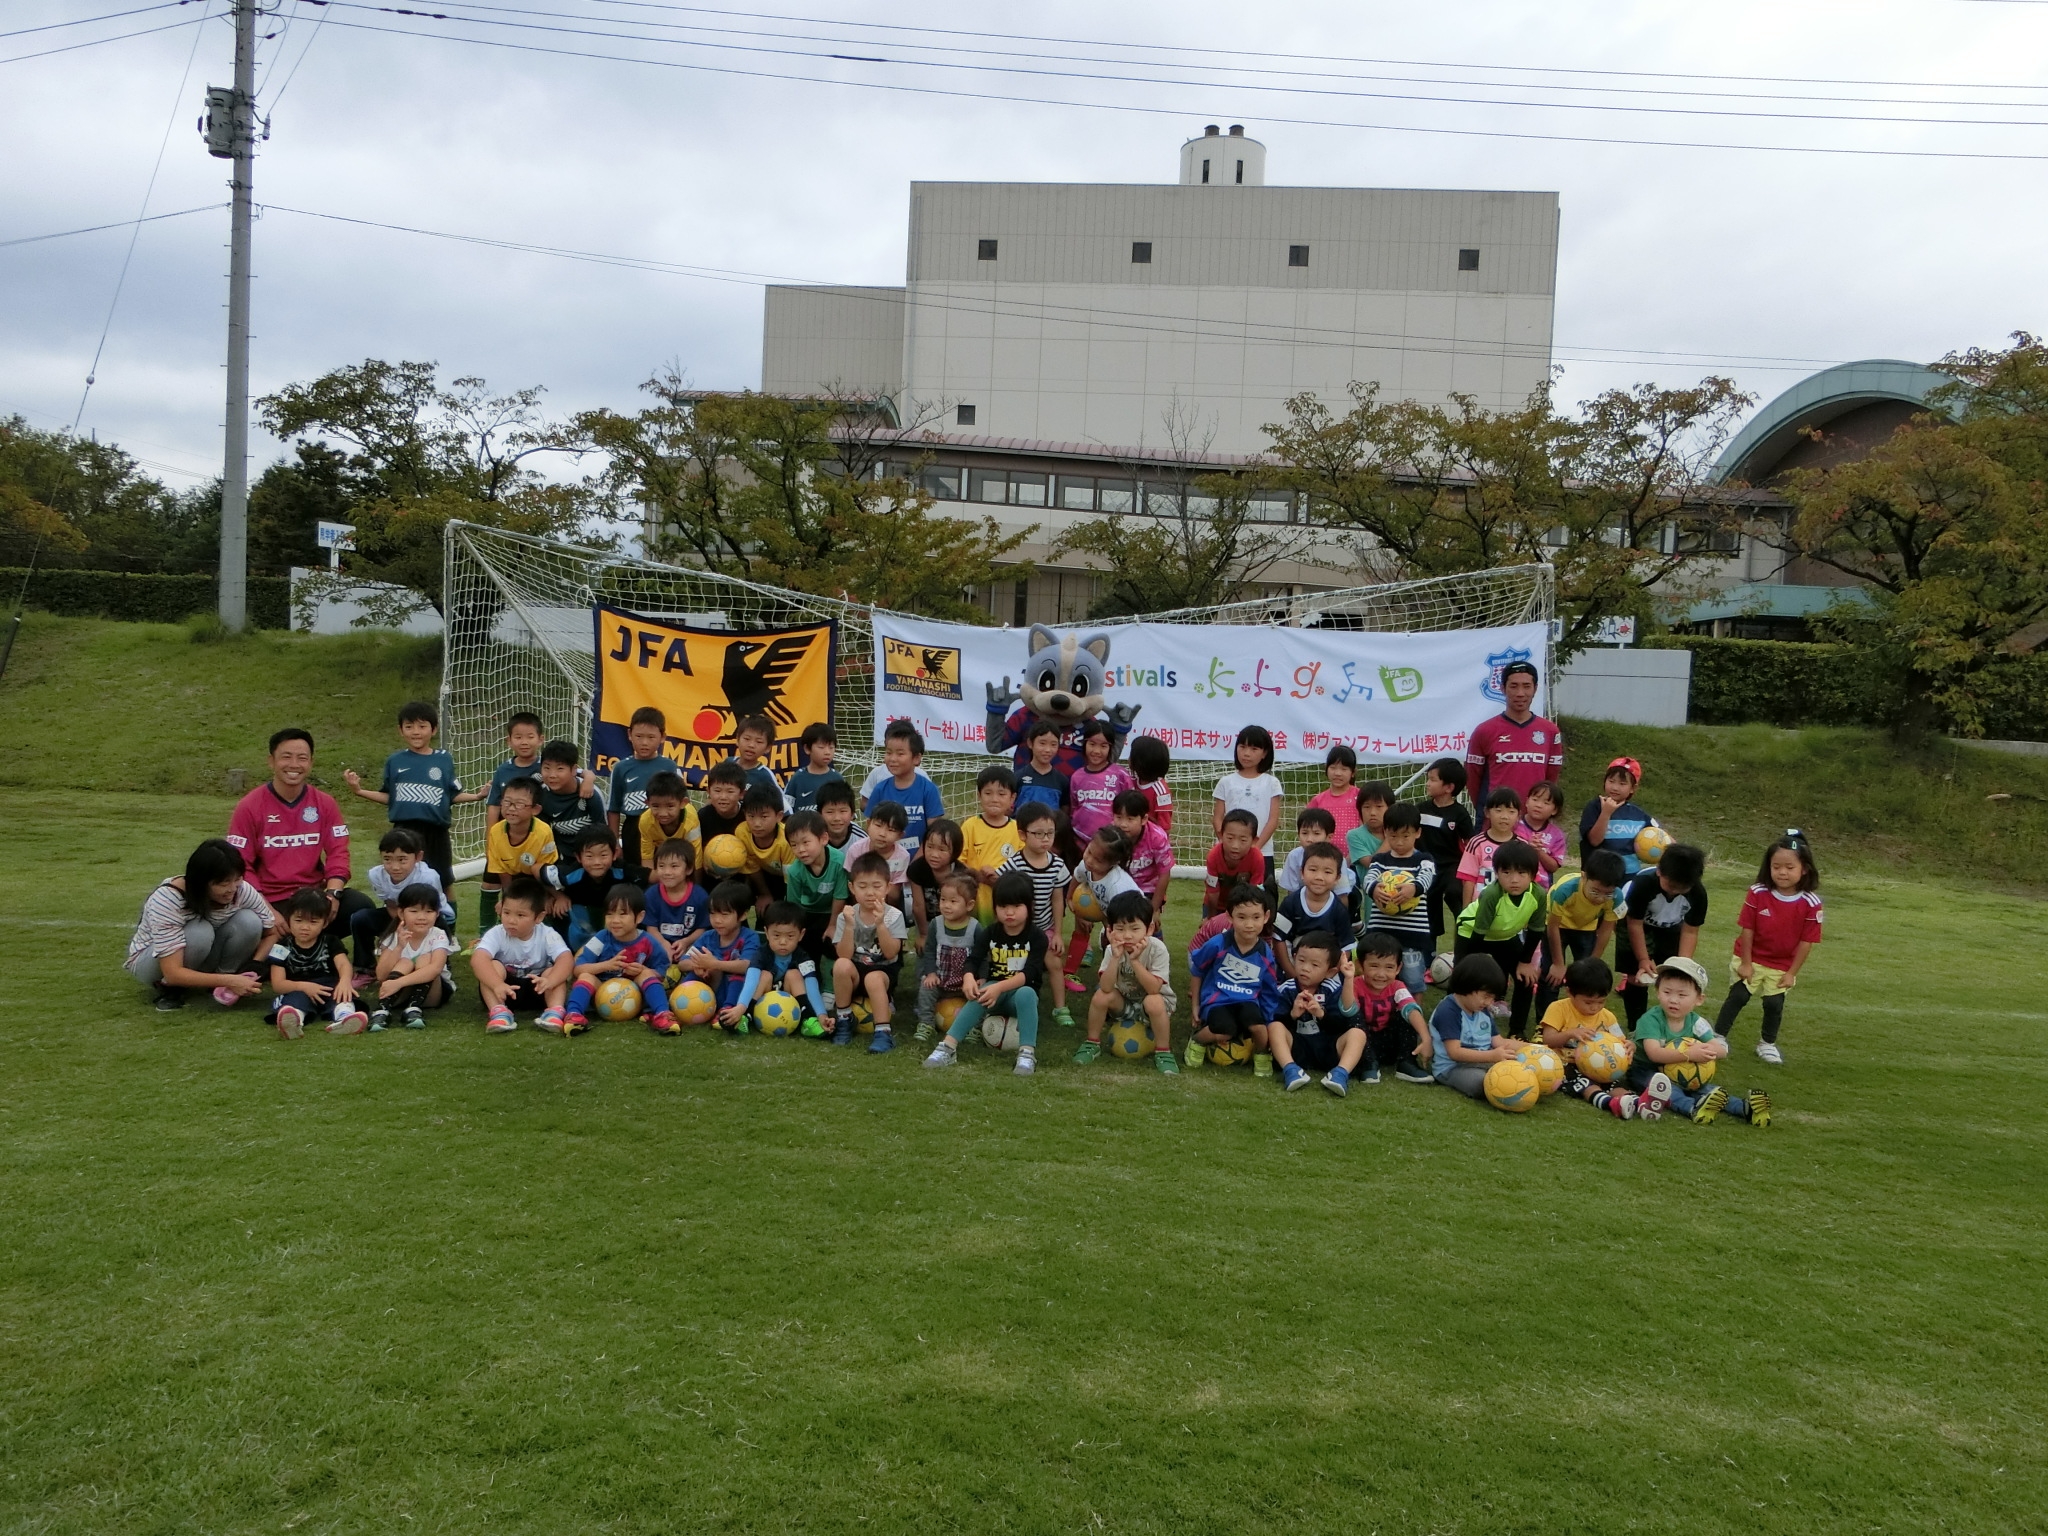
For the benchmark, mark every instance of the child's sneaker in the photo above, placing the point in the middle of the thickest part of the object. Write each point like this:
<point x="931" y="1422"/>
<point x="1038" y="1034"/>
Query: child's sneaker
<point x="290" y="1023"/>
<point x="380" y="1021"/>
<point x="1336" y="1081"/>
<point x="1027" y="1062"/>
<point x="811" y="1029"/>
<point x="500" y="1022"/>
<point x="842" y="1027"/>
<point x="553" y="1022"/>
<point x="1369" y="1076"/>
<point x="1760" y="1110"/>
<point x="1063" y="1016"/>
<point x="665" y="1023"/>
<point x="1709" y="1107"/>
<point x="1623" y="1106"/>
<point x="885" y="1040"/>
<point x="227" y="997"/>
<point x="1292" y="1076"/>
<point x="574" y="1024"/>
<point x="1767" y="1050"/>
<point x="1090" y="1050"/>
<point x="945" y="1055"/>
<point x="169" y="999"/>
<point x="414" y="1019"/>
<point x="923" y="1032"/>
<point x="1409" y="1070"/>
<point x="739" y="1025"/>
<point x="1166" y="1062"/>
<point x="350" y="1023"/>
<point x="1197" y="1052"/>
<point x="1076" y="984"/>
<point x="1655" y="1095"/>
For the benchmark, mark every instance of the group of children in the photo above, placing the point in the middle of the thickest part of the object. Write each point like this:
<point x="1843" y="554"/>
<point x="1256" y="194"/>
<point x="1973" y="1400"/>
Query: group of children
<point x="813" y="889"/>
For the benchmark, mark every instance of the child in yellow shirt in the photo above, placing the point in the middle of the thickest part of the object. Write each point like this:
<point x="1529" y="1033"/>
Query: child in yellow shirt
<point x="988" y="840"/>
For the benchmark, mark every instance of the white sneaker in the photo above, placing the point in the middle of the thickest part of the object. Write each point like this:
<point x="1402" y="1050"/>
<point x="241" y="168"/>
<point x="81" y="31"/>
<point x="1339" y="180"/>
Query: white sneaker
<point x="944" y="1056"/>
<point x="1657" y="1092"/>
<point x="1766" y="1051"/>
<point x="1027" y="1063"/>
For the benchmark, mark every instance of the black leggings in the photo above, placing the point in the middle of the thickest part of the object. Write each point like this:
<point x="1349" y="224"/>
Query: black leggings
<point x="1233" y="1021"/>
<point x="1738" y="999"/>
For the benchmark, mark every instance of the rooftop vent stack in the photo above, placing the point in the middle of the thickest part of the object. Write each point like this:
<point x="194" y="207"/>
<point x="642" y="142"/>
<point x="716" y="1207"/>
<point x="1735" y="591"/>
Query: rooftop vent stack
<point x="1220" y="159"/>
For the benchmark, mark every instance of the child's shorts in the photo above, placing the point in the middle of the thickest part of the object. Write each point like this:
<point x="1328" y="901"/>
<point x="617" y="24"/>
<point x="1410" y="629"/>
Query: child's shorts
<point x="863" y="969"/>
<point x="1763" y="981"/>
<point x="524" y="992"/>
<point x="1316" y="1052"/>
<point x="1136" y="1005"/>
<point x="1233" y="1021"/>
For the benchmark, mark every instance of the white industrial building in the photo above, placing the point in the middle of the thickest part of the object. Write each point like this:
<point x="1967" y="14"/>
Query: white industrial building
<point x="1060" y="326"/>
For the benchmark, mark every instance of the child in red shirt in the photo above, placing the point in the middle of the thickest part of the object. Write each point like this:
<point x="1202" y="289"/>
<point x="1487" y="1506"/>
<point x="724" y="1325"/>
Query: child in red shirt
<point x="1341" y="798"/>
<point x="1149" y="762"/>
<point x="1779" y="925"/>
<point x="1234" y="860"/>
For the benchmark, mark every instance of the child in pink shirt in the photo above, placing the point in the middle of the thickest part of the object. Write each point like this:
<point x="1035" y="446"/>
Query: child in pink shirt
<point x="1341" y="798"/>
<point x="1475" y="869"/>
<point x="1097" y="782"/>
<point x="1151" y="860"/>
<point x="1538" y="828"/>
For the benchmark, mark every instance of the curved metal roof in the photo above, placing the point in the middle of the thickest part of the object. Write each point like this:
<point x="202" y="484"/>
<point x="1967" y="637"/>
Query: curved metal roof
<point x="1820" y="398"/>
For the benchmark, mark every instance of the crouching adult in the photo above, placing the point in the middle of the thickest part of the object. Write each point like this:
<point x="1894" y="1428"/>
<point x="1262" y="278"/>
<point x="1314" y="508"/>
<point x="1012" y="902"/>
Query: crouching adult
<point x="201" y="930"/>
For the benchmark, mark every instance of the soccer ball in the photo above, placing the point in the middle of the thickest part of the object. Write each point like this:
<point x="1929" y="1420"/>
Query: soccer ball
<point x="949" y="1010"/>
<point x="1604" y="1057"/>
<point x="1085" y="904"/>
<point x="1692" y="1076"/>
<point x="1130" y="1034"/>
<point x="1386" y="892"/>
<point x="777" y="1014"/>
<point x="999" y="1032"/>
<point x="617" y="999"/>
<point x="1513" y="1087"/>
<point x="1543" y="1061"/>
<point x="723" y="855"/>
<point x="695" y="1002"/>
<point x="1651" y="843"/>
<point x="863" y="1016"/>
<point x="1234" y="1053"/>
<point x="1440" y="969"/>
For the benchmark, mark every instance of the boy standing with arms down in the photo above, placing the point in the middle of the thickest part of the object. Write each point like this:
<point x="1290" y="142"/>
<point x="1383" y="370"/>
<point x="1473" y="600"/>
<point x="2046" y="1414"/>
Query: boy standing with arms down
<point x="818" y="747"/>
<point x="568" y="807"/>
<point x="1517" y="749"/>
<point x="988" y="840"/>
<point x="1666" y="906"/>
<point x="1444" y="825"/>
<point x="903" y="782"/>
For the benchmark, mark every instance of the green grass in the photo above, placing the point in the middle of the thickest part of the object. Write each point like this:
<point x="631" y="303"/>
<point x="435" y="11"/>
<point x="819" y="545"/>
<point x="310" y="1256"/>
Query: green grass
<point x="439" y="1282"/>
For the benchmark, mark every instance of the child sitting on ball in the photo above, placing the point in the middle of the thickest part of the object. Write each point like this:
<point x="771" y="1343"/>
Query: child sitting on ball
<point x="1136" y="973"/>
<point x="521" y="962"/>
<point x="1236" y="978"/>
<point x="1673" y="1035"/>
<point x="1003" y="976"/>
<point x="783" y="965"/>
<point x="621" y="948"/>
<point x="869" y="938"/>
<point x="721" y="956"/>
<point x="1315" y="1019"/>
<point x="948" y="943"/>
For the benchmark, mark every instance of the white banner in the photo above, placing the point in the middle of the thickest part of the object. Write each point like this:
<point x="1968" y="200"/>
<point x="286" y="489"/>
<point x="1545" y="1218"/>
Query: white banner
<point x="1387" y="696"/>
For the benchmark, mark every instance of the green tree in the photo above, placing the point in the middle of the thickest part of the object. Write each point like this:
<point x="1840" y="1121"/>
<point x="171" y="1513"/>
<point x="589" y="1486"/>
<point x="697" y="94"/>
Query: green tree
<point x="1946" y="526"/>
<point x="414" y="456"/>
<point x="87" y="504"/>
<point x="1619" y="499"/>
<point x="797" y="493"/>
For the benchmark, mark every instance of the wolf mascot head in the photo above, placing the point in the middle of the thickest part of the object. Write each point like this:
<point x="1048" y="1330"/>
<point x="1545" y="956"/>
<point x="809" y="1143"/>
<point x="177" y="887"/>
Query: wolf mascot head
<point x="1063" y="682"/>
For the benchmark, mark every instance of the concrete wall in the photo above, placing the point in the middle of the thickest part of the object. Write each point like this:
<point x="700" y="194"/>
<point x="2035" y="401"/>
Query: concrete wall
<point x="1632" y="687"/>
<point x="338" y="609"/>
<point x="816" y="337"/>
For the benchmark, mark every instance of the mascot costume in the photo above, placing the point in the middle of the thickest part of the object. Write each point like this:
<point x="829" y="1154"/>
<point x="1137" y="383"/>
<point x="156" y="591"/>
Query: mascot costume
<point x="1063" y="683"/>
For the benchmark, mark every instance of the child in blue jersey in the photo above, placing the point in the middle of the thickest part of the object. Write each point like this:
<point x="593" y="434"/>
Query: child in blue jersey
<point x="1236" y="977"/>
<point x="1316" y="1027"/>
<point x="420" y="789"/>
<point x="1316" y="906"/>
<point x="589" y="883"/>
<point x="751" y="739"/>
<point x="818" y="749"/>
<point x="621" y="948"/>
<point x="678" y="908"/>
<point x="903" y="782"/>
<point x="567" y="804"/>
<point x="784" y="966"/>
<point x="722" y="955"/>
<point x="631" y="779"/>
<point x="1039" y="782"/>
<point x="1612" y="819"/>
<point x="523" y="738"/>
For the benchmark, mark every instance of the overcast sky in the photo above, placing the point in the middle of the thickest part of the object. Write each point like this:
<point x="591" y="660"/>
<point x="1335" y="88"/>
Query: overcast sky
<point x="1673" y="261"/>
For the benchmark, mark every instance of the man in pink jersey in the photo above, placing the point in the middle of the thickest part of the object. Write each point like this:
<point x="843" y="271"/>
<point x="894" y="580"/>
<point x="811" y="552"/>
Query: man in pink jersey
<point x="1515" y="749"/>
<point x="293" y="836"/>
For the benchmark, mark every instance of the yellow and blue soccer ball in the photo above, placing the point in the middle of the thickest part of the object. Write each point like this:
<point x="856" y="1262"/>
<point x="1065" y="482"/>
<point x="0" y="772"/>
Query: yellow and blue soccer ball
<point x="1651" y="843"/>
<point x="1387" y="892"/>
<point x="1130" y="1034"/>
<point x="1085" y="904"/>
<point x="1544" y="1062"/>
<point x="1232" y="1053"/>
<point x="1513" y="1087"/>
<point x="1604" y="1057"/>
<point x="1692" y="1076"/>
<point x="724" y="855"/>
<point x="695" y="1002"/>
<point x="863" y="1016"/>
<point x="778" y="1014"/>
<point x="617" y="999"/>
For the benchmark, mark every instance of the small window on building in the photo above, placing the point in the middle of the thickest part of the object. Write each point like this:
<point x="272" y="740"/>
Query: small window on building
<point x="1468" y="260"/>
<point x="1205" y="173"/>
<point x="1297" y="255"/>
<point x="988" y="485"/>
<point x="1240" y="173"/>
<point x="963" y="415"/>
<point x="1141" y="252"/>
<point x="987" y="251"/>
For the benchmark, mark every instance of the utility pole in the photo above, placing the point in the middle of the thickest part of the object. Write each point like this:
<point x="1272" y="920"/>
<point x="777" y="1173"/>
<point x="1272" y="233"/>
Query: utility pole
<point x="230" y="129"/>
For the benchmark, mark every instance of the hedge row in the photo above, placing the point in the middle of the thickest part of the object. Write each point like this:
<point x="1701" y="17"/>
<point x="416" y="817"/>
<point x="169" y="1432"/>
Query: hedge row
<point x="1778" y="682"/>
<point x="145" y="598"/>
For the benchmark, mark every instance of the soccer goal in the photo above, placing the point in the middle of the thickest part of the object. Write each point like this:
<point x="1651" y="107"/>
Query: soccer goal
<point x="519" y="637"/>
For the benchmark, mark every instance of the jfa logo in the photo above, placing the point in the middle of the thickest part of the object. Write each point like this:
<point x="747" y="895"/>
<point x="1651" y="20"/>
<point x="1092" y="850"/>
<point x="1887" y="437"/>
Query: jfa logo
<point x="1495" y="664"/>
<point x="927" y="670"/>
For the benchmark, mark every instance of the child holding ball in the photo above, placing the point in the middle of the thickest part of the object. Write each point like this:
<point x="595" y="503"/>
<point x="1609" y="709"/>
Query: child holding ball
<point x="1779" y="925"/>
<point x="1462" y="1040"/>
<point x="1674" y="1032"/>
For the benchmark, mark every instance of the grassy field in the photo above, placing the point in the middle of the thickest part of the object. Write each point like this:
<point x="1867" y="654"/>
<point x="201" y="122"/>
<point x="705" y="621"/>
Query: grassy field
<point x="443" y="1282"/>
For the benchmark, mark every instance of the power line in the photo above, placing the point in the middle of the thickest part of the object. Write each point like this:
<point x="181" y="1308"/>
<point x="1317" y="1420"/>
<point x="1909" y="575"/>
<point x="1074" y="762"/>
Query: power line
<point x="1169" y="80"/>
<point x="292" y="74"/>
<point x="1252" y="333"/>
<point x="118" y="37"/>
<point x="86" y="21"/>
<point x="1184" y="113"/>
<point x="93" y="229"/>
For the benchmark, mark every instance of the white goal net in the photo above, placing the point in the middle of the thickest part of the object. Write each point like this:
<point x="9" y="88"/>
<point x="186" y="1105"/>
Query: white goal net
<point x="520" y="637"/>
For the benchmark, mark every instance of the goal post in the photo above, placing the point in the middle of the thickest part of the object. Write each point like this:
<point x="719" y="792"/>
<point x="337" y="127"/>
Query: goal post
<point x="517" y="611"/>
